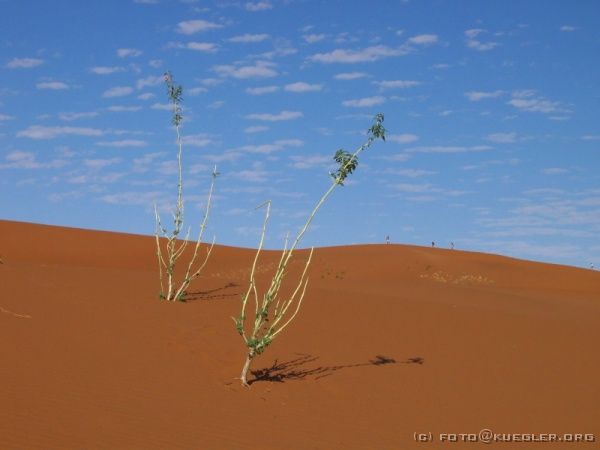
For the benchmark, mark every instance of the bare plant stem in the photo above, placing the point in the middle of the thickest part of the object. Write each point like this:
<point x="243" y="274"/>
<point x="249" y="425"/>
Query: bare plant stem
<point x="244" y="374"/>
<point x="265" y="328"/>
<point x="174" y="249"/>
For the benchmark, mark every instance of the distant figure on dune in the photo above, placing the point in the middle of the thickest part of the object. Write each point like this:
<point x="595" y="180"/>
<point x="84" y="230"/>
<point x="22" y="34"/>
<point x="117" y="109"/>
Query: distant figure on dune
<point x="451" y="245"/>
<point x="591" y="265"/>
<point x="387" y="239"/>
<point x="432" y="244"/>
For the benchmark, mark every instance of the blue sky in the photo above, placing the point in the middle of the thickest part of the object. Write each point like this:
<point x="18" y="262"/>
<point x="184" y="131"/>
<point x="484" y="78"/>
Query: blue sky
<point x="491" y="109"/>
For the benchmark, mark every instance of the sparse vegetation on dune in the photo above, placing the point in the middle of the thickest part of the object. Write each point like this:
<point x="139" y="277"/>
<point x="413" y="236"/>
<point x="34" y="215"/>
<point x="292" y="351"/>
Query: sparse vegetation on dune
<point x="174" y="248"/>
<point x="273" y="314"/>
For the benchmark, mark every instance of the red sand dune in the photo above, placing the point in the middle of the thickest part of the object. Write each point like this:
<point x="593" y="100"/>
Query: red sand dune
<point x="391" y="340"/>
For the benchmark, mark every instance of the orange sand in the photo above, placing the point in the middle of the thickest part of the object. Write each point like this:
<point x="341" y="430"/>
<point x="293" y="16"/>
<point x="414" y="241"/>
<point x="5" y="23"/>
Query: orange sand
<point x="391" y="340"/>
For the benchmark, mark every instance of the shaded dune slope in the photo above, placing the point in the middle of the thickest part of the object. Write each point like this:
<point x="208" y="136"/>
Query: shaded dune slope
<point x="391" y="340"/>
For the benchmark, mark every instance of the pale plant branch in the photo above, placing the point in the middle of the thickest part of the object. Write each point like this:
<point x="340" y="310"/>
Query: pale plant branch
<point x="267" y="325"/>
<point x="174" y="249"/>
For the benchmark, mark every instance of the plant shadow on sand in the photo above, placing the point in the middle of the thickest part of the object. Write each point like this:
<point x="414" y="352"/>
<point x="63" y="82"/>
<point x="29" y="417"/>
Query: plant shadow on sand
<point x="213" y="294"/>
<point x="295" y="369"/>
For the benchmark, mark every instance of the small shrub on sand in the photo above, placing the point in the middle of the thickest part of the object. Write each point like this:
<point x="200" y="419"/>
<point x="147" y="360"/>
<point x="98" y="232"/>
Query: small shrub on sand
<point x="173" y="249"/>
<point x="273" y="314"/>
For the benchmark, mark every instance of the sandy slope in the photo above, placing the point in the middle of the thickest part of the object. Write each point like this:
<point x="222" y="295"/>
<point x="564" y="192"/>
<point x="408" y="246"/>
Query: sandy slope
<point x="392" y="340"/>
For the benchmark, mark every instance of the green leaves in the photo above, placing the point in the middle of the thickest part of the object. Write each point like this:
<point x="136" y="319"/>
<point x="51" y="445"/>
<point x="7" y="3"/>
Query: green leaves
<point x="347" y="162"/>
<point x="377" y="131"/>
<point x="174" y="93"/>
<point x="259" y="345"/>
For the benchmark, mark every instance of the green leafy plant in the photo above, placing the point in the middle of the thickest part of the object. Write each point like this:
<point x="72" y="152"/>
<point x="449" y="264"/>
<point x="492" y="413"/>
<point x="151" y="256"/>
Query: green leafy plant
<point x="174" y="248"/>
<point x="273" y="314"/>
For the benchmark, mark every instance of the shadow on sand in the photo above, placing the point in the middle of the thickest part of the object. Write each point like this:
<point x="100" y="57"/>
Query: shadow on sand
<point x="213" y="294"/>
<point x="296" y="369"/>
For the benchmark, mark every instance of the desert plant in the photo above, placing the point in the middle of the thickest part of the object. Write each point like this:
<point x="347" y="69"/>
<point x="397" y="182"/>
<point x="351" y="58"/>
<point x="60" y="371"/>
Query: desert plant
<point x="173" y="249"/>
<point x="273" y="314"/>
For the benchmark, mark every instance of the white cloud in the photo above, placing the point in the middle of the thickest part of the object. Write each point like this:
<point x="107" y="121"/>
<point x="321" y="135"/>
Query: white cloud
<point x="142" y="164"/>
<point x="364" y="102"/>
<point x="262" y="90"/>
<point x="476" y="96"/>
<point x="283" y="115"/>
<point x="5" y="117"/>
<point x="392" y="84"/>
<point x="162" y="106"/>
<point x="414" y="188"/>
<point x="123" y="143"/>
<point x="206" y="47"/>
<point x="156" y="63"/>
<point x="100" y="163"/>
<point x="308" y="162"/>
<point x="261" y="69"/>
<point x="474" y="32"/>
<point x="199" y="168"/>
<point x="350" y="76"/>
<point x="503" y="138"/>
<point x="448" y="149"/>
<point x="197" y="140"/>
<point x="128" y="52"/>
<point x="282" y="48"/>
<point x="216" y="104"/>
<point x="312" y="38"/>
<point x="414" y="173"/>
<point x="24" y="63"/>
<point x="146" y="96"/>
<point x="149" y="81"/>
<point x="290" y="142"/>
<point x="368" y="54"/>
<point x="41" y="132"/>
<point x="52" y="85"/>
<point x="196" y="90"/>
<point x="276" y="146"/>
<point x="70" y="116"/>
<point x="402" y="138"/>
<point x="590" y="137"/>
<point x="256" y="129"/>
<point x="303" y="87"/>
<point x="481" y="46"/>
<point x="211" y="81"/>
<point x="423" y="39"/>
<point x="146" y="2"/>
<point x="121" y="108"/>
<point x="118" y="91"/>
<point x="258" y="6"/>
<point x="249" y="38"/>
<point x="526" y="101"/>
<point x="554" y="171"/>
<point x="229" y="156"/>
<point x="476" y="44"/>
<point x="195" y="26"/>
<point x="253" y="176"/>
<point x="26" y="160"/>
<point x="534" y="105"/>
<point x="132" y="198"/>
<point x="568" y="28"/>
<point x="104" y="70"/>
